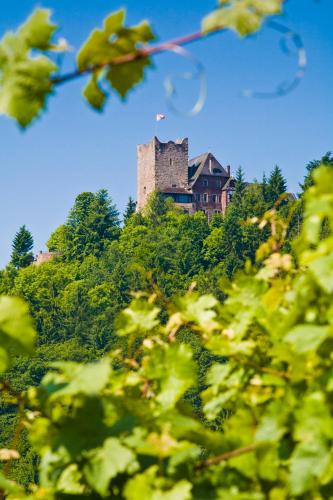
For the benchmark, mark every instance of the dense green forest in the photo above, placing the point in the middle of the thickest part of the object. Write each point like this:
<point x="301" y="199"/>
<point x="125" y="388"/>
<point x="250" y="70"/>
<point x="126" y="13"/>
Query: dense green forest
<point x="100" y="262"/>
<point x="159" y="355"/>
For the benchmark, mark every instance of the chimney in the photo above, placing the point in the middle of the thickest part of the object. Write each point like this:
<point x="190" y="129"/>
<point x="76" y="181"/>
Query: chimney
<point x="229" y="170"/>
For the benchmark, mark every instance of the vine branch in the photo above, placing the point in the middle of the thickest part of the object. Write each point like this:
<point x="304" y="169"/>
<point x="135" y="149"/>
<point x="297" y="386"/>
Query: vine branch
<point x="134" y="56"/>
<point x="227" y="456"/>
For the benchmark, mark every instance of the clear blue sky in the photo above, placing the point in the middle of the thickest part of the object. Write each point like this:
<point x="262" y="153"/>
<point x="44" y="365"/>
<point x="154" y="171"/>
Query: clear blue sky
<point x="73" y="149"/>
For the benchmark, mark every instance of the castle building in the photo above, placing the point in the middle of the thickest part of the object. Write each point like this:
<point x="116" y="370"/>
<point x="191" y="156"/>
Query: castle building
<point x="200" y="184"/>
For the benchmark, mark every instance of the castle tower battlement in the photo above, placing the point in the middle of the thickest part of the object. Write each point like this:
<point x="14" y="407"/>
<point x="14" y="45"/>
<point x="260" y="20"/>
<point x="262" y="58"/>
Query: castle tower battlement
<point x="161" y="166"/>
<point x="198" y="184"/>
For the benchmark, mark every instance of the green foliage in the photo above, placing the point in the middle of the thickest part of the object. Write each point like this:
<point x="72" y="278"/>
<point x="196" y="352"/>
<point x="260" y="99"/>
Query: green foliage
<point x="92" y="224"/>
<point x="103" y="48"/>
<point x="25" y="80"/>
<point x="130" y="209"/>
<point x="17" y="334"/>
<point x="140" y="423"/>
<point x="327" y="159"/>
<point x="22" y="245"/>
<point x="276" y="185"/>
<point x="243" y="16"/>
<point x="112" y="56"/>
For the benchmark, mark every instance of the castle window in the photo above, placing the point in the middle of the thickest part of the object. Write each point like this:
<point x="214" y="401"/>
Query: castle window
<point x="198" y="197"/>
<point x="205" y="197"/>
<point x="205" y="182"/>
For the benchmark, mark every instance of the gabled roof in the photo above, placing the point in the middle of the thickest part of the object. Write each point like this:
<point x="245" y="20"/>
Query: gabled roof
<point x="204" y="165"/>
<point x="229" y="184"/>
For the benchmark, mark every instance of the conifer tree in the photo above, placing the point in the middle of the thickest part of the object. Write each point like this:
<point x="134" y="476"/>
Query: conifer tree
<point x="276" y="186"/>
<point x="22" y="246"/>
<point x="130" y="209"/>
<point x="156" y="207"/>
<point x="327" y="160"/>
<point x="239" y="184"/>
<point x="264" y="187"/>
<point x="92" y="224"/>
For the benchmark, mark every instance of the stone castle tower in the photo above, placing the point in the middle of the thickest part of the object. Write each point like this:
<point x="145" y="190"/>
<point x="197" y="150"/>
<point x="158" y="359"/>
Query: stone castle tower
<point x="201" y="183"/>
<point x="161" y="166"/>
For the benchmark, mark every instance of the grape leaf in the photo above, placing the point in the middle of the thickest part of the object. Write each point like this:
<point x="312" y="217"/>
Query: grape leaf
<point x="25" y="80"/>
<point x="94" y="94"/>
<point x="125" y="76"/>
<point x="107" y="462"/>
<point x="172" y="366"/>
<point x="74" y="378"/>
<point x="38" y="29"/>
<point x="243" y="16"/>
<point x="305" y="338"/>
<point x="139" y="317"/>
<point x="17" y="334"/>
<point x="104" y="47"/>
<point x="308" y="461"/>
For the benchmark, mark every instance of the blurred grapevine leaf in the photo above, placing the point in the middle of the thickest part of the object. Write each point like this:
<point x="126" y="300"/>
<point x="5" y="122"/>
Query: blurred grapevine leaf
<point x="25" y="71"/>
<point x="103" y="49"/>
<point x="243" y="16"/>
<point x="17" y="333"/>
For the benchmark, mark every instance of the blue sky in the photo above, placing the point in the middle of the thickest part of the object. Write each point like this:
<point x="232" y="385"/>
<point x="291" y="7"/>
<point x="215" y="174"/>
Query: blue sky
<point x="72" y="149"/>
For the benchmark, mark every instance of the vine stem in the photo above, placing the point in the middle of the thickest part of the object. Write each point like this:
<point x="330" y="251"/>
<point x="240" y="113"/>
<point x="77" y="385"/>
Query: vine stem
<point x="227" y="456"/>
<point x="134" y="56"/>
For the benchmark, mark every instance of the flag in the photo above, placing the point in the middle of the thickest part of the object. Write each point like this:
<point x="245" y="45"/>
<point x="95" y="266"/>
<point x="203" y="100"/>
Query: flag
<point x="160" y="117"/>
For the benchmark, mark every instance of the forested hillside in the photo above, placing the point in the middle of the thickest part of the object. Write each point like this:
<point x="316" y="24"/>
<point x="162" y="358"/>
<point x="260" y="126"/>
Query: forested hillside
<point x="160" y="355"/>
<point x="101" y="262"/>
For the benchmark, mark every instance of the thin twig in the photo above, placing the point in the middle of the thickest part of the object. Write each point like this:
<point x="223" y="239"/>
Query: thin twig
<point x="227" y="456"/>
<point x="134" y="56"/>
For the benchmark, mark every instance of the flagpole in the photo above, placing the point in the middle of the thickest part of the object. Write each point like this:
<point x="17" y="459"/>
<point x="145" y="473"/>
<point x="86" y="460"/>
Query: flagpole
<point x="158" y="117"/>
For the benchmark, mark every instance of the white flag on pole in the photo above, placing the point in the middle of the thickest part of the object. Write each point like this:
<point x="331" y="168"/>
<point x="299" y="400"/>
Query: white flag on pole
<point x="160" y="117"/>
